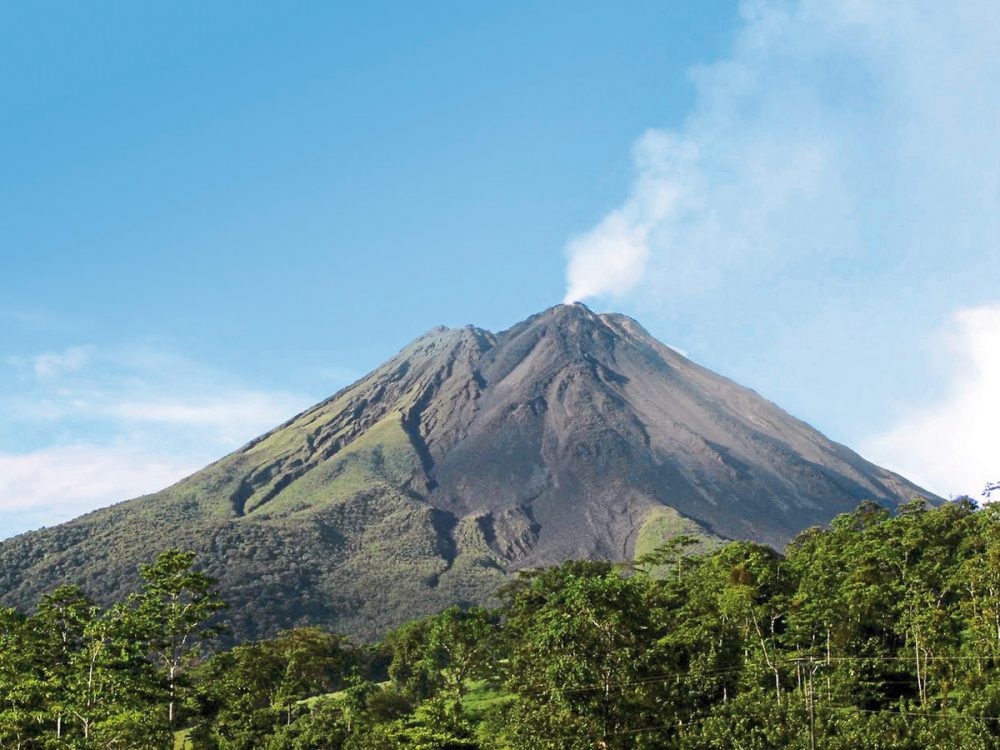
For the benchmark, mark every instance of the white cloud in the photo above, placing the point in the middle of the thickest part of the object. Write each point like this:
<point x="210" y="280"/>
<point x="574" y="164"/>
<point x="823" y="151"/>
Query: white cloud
<point x="143" y="385"/>
<point x="952" y="446"/>
<point x="54" y="484"/>
<point x="612" y="257"/>
<point x="241" y="413"/>
<point x="836" y="135"/>
<point x="86" y="427"/>
<point x="51" y="364"/>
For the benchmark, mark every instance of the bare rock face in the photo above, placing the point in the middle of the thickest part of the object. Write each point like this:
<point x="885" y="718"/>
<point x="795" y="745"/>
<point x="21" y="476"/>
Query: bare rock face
<point x="468" y="456"/>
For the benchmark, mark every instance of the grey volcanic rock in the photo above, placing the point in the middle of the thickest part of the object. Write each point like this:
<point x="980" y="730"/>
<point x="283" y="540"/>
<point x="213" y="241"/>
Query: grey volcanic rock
<point x="468" y="456"/>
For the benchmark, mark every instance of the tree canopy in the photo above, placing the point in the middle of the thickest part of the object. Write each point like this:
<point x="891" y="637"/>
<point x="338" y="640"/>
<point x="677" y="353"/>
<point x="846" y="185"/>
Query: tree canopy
<point x="880" y="631"/>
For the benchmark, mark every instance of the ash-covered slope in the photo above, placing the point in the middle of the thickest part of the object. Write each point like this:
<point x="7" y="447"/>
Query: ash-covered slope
<point x="465" y="457"/>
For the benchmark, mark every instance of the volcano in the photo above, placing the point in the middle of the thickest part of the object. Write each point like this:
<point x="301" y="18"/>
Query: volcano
<point x="466" y="457"/>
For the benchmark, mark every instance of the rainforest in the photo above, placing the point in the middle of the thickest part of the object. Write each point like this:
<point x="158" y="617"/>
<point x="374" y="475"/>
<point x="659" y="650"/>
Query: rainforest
<point x="879" y="631"/>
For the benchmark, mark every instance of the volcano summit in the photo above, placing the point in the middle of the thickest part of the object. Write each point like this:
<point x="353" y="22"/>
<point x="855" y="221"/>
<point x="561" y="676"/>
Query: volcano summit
<point x="468" y="456"/>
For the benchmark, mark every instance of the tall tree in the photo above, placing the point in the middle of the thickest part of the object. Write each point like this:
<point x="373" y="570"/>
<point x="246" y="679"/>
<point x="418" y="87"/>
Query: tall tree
<point x="174" y="606"/>
<point x="61" y="623"/>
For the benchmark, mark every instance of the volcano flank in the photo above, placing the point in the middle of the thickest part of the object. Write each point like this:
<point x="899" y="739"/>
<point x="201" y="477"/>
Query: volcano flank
<point x="466" y="457"/>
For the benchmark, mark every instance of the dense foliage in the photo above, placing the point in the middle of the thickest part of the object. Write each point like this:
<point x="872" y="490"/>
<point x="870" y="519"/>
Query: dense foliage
<point x="73" y="675"/>
<point x="882" y="631"/>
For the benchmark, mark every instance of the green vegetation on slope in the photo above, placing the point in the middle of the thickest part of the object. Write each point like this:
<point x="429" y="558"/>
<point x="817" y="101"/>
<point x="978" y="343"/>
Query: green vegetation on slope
<point x="878" y="632"/>
<point x="663" y="523"/>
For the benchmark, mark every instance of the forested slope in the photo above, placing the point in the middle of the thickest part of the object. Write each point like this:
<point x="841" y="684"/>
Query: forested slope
<point x="880" y="631"/>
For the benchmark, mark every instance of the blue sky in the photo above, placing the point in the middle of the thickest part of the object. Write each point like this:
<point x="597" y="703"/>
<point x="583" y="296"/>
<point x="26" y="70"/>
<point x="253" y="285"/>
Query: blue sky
<point x="214" y="214"/>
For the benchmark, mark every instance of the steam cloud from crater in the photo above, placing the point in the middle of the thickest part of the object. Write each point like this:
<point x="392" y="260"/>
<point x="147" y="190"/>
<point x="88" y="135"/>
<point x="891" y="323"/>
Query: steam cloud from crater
<point x="836" y="182"/>
<point x="832" y="130"/>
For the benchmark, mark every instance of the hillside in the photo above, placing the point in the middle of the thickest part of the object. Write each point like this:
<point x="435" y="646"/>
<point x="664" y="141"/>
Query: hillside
<point x="468" y="456"/>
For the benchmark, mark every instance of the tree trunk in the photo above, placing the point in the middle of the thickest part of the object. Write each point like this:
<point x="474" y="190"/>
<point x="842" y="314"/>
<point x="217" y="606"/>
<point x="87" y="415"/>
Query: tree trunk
<point x="170" y="705"/>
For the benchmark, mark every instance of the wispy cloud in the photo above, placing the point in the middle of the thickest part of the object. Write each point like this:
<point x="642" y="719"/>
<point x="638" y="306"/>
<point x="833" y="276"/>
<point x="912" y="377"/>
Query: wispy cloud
<point x="55" y="484"/>
<point x="951" y="445"/>
<point x="251" y="406"/>
<point x="241" y="413"/>
<point x="141" y="385"/>
<point x="84" y="427"/>
<point x="71" y="359"/>
<point x="612" y="257"/>
<point x="834" y="134"/>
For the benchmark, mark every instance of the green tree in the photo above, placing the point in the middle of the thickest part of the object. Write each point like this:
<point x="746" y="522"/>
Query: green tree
<point x="442" y="653"/>
<point x="22" y="684"/>
<point x="669" y="555"/>
<point x="61" y="624"/>
<point x="584" y="661"/>
<point x="174" y="605"/>
<point x="251" y="690"/>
